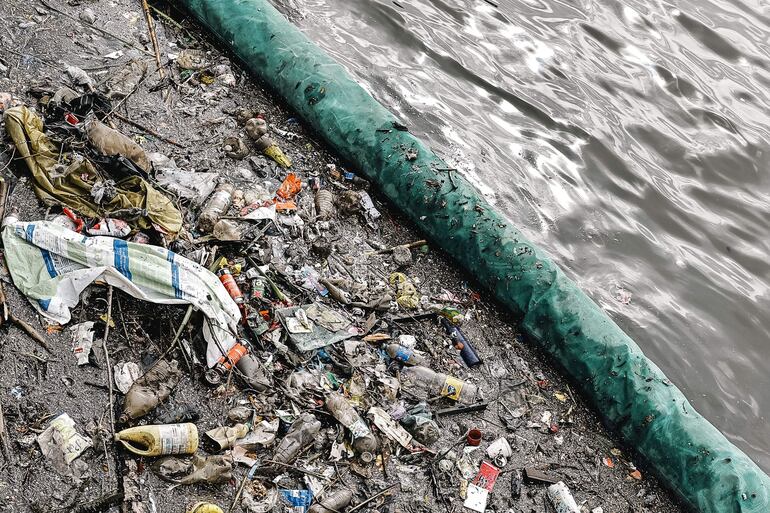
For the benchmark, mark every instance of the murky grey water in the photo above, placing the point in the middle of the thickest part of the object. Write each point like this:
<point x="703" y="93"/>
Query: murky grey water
<point x="629" y="139"/>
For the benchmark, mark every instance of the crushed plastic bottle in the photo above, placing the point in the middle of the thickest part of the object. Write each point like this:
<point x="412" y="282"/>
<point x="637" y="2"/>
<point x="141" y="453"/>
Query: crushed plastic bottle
<point x="364" y="440"/>
<point x="215" y="207"/>
<point x="426" y="383"/>
<point x="404" y="355"/>
<point x="324" y="204"/>
<point x="159" y="440"/>
<point x="150" y="390"/>
<point x="302" y="433"/>
<point x="331" y="503"/>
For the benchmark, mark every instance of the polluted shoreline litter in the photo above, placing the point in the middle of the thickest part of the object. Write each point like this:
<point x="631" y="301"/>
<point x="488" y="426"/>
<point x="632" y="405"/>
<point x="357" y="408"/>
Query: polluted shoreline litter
<point x="241" y="324"/>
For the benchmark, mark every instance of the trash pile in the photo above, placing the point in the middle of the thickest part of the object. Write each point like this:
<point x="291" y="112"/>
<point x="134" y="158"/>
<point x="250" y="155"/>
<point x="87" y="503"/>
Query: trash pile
<point x="330" y="372"/>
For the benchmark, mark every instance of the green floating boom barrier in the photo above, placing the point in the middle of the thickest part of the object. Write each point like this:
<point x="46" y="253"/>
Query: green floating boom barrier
<point x="631" y="393"/>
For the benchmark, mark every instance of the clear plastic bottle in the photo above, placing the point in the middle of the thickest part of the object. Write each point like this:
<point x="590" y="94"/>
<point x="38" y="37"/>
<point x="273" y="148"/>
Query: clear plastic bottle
<point x="404" y="355"/>
<point x="425" y="383"/>
<point x="329" y="503"/>
<point x="364" y="440"/>
<point x="217" y="205"/>
<point x="159" y="440"/>
<point x="302" y="433"/>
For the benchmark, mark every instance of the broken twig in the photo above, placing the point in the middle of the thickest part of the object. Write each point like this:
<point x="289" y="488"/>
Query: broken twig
<point x="147" y="130"/>
<point x="107" y="358"/>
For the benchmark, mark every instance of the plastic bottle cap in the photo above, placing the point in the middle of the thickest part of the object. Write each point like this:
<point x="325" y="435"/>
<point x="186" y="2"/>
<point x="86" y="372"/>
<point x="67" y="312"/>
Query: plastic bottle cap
<point x="367" y="457"/>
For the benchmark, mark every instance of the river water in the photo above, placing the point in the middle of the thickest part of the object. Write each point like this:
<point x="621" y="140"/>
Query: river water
<point x="629" y="139"/>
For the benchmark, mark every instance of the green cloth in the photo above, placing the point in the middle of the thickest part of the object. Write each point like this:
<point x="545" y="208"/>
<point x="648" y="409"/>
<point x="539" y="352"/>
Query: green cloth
<point x="630" y="393"/>
<point x="74" y="190"/>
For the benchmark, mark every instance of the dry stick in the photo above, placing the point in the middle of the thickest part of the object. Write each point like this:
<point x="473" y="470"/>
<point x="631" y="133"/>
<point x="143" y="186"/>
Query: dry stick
<point x="107" y="358"/>
<point x="411" y="245"/>
<point x="29" y="330"/>
<point x="153" y="37"/>
<point x="372" y="498"/>
<point x="94" y="27"/>
<point x="147" y="130"/>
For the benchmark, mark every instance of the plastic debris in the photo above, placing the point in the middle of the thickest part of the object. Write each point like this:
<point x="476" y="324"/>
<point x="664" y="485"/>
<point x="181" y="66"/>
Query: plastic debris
<point x="562" y="499"/>
<point x="82" y="341"/>
<point x="125" y="374"/>
<point x="150" y="390"/>
<point x="61" y="443"/>
<point x="158" y="440"/>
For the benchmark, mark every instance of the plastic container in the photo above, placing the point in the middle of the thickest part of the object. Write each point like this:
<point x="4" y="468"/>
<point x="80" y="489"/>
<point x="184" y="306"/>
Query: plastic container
<point x="217" y="205"/>
<point x="364" y="440"/>
<point x="324" y="204"/>
<point x="425" y="383"/>
<point x="160" y="440"/>
<point x="205" y="507"/>
<point x="562" y="499"/>
<point x="461" y="343"/>
<point x="404" y="354"/>
<point x="225" y="363"/>
<point x="226" y="277"/>
<point x="331" y="503"/>
<point x="150" y="390"/>
<point x="302" y="433"/>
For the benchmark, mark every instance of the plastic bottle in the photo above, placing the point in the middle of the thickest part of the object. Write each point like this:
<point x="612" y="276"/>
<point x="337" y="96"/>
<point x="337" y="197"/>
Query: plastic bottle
<point x="150" y="390"/>
<point x="225" y="363"/>
<point x="364" y="440"/>
<point x="562" y="499"/>
<point x="302" y="433"/>
<point x="252" y="372"/>
<point x="160" y="439"/>
<point x="226" y="277"/>
<point x="330" y="503"/>
<point x="216" y="206"/>
<point x="461" y="342"/>
<point x="428" y="383"/>
<point x="205" y="507"/>
<point x="324" y="204"/>
<point x="404" y="354"/>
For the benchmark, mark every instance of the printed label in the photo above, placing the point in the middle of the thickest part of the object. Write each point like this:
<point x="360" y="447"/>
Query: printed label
<point x="174" y="439"/>
<point x="403" y="355"/>
<point x="359" y="429"/>
<point x="452" y="388"/>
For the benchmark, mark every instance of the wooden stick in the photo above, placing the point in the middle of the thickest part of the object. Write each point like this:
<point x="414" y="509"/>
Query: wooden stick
<point x="147" y="130"/>
<point x="29" y="330"/>
<point x="411" y="245"/>
<point x="107" y="358"/>
<point x="373" y="497"/>
<point x="153" y="36"/>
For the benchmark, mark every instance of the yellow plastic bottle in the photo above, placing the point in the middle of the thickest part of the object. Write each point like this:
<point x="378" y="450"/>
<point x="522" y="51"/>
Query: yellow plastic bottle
<point x="205" y="507"/>
<point x="160" y="440"/>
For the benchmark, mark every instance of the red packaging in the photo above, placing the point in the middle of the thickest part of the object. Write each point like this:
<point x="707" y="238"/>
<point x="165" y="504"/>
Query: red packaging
<point x="487" y="476"/>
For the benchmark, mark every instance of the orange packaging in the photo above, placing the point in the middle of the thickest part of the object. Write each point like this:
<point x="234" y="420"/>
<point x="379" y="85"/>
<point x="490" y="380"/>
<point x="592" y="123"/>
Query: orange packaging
<point x="233" y="356"/>
<point x="290" y="187"/>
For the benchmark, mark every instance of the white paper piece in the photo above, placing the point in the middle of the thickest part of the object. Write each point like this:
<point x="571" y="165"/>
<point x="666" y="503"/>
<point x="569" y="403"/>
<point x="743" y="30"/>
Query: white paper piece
<point x="476" y="498"/>
<point x="125" y="373"/>
<point x="82" y="341"/>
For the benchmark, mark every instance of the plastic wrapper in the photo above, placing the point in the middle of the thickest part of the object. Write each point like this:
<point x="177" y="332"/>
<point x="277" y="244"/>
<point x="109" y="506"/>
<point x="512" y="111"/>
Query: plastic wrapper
<point x="52" y="265"/>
